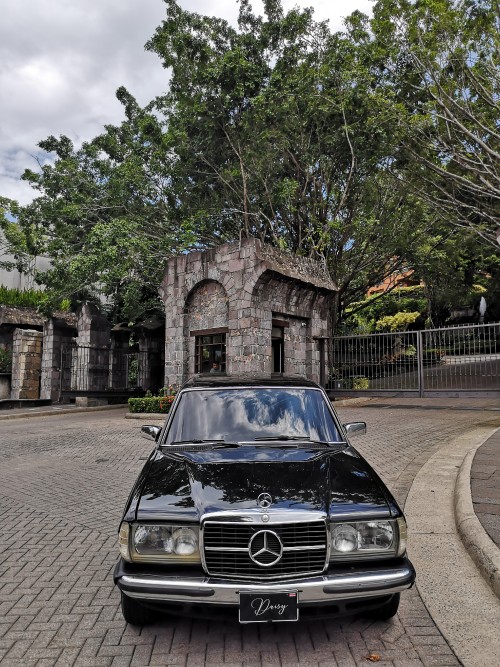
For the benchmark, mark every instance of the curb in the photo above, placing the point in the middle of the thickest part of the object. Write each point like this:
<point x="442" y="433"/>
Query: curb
<point x="63" y="411"/>
<point x="144" y="416"/>
<point x="479" y="545"/>
<point x="358" y="400"/>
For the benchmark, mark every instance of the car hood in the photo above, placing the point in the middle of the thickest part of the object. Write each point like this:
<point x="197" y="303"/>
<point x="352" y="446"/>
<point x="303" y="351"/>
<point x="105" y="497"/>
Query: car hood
<point x="338" y="482"/>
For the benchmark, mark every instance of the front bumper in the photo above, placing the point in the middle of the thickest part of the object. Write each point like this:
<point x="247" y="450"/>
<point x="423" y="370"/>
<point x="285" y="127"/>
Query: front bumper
<point x="339" y="583"/>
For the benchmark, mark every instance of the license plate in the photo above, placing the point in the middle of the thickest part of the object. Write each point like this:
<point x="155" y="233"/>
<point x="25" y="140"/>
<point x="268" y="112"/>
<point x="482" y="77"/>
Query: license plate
<point x="266" y="607"/>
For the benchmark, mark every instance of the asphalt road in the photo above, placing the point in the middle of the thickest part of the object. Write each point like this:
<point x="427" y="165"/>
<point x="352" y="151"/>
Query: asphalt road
<point x="63" y="482"/>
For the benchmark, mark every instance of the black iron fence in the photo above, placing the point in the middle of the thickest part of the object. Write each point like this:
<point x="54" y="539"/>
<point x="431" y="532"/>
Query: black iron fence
<point x="443" y="361"/>
<point x="88" y="370"/>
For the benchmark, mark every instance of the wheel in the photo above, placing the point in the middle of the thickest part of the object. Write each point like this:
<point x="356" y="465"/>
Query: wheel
<point x="388" y="610"/>
<point x="134" y="613"/>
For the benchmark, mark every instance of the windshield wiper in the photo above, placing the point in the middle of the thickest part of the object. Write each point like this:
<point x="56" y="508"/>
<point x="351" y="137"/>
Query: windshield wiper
<point x="283" y="437"/>
<point x="300" y="438"/>
<point x="216" y="442"/>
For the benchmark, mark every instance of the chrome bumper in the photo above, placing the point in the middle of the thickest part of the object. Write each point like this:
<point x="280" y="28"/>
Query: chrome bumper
<point x="363" y="583"/>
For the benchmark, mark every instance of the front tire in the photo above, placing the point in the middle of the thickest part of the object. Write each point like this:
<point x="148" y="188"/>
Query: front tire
<point x="388" y="610"/>
<point x="134" y="613"/>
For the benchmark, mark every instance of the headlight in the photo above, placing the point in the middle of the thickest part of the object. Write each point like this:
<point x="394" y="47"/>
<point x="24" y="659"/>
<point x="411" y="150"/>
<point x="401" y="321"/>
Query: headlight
<point x="365" y="539"/>
<point x="160" y="543"/>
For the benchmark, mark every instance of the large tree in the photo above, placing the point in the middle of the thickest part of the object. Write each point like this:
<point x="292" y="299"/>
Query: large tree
<point x="277" y="128"/>
<point x="102" y="215"/>
<point x="442" y="58"/>
<point x="283" y="131"/>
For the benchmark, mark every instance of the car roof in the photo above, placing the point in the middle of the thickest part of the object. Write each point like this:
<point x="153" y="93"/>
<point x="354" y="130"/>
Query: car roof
<point x="212" y="381"/>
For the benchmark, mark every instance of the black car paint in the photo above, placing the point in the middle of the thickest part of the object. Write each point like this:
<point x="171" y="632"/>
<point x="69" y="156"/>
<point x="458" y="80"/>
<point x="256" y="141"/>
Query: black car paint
<point x="183" y="487"/>
<point x="194" y="484"/>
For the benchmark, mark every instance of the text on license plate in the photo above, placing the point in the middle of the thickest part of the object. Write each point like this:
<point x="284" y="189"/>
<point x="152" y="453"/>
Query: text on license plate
<point x="265" y="607"/>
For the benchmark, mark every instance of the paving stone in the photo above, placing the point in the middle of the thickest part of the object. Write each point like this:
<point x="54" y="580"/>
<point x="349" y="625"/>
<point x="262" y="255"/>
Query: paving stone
<point x="60" y="512"/>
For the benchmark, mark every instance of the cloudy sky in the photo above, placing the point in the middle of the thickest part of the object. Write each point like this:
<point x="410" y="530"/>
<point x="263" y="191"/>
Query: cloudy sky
<point x="61" y="62"/>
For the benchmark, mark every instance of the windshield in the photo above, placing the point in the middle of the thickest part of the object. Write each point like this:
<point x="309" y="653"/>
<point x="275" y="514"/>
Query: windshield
<point x="236" y="415"/>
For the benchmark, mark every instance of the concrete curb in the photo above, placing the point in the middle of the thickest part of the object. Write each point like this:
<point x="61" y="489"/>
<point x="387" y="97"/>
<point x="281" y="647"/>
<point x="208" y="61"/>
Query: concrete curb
<point x="462" y="604"/>
<point x="63" y="411"/>
<point x="358" y="400"/>
<point x="144" y="416"/>
<point x="481" y="548"/>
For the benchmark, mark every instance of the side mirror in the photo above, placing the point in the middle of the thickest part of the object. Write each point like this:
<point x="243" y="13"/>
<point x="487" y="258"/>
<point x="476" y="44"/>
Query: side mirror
<point x="355" y="427"/>
<point x="150" y="432"/>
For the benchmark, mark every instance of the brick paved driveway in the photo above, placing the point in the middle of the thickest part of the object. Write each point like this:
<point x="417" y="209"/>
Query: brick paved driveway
<point x="63" y="483"/>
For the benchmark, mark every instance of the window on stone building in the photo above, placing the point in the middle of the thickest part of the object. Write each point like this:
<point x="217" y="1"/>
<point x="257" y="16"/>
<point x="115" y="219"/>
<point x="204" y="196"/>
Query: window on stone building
<point x="210" y="353"/>
<point x="278" y="349"/>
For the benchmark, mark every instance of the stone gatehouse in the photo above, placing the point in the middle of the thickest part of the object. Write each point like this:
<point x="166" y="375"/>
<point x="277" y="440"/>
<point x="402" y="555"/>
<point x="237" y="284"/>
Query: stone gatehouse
<point x="246" y="309"/>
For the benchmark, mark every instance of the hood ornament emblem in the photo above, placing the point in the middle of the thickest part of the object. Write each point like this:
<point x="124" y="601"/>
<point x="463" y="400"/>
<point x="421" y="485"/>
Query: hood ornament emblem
<point x="264" y="501"/>
<point x="265" y="548"/>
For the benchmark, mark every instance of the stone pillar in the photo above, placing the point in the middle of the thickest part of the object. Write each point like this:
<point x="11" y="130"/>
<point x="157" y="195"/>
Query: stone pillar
<point x="93" y="357"/>
<point x="56" y="333"/>
<point x="26" y="363"/>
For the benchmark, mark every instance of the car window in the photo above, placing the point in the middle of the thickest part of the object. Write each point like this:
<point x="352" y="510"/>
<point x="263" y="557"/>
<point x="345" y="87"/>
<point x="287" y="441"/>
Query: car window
<point x="247" y="414"/>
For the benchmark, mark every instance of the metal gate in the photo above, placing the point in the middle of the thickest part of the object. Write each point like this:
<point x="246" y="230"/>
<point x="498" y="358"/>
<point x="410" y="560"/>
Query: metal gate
<point x="88" y="370"/>
<point x="450" y="361"/>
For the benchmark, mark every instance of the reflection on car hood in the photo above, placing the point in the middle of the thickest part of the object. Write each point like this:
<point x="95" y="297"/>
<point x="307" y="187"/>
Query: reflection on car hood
<point x="339" y="483"/>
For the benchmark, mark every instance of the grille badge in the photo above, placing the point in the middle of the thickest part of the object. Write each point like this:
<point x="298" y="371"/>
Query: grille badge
<point x="265" y="548"/>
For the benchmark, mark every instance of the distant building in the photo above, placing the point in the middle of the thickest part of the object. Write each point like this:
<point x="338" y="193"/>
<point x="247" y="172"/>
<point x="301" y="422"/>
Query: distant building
<point x="402" y="278"/>
<point x="17" y="280"/>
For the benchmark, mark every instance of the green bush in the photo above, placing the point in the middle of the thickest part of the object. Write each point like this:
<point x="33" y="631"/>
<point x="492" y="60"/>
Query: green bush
<point x="29" y="298"/>
<point x="402" y="299"/>
<point x="360" y="383"/>
<point x="397" y="322"/>
<point x="158" y="404"/>
<point x="5" y="360"/>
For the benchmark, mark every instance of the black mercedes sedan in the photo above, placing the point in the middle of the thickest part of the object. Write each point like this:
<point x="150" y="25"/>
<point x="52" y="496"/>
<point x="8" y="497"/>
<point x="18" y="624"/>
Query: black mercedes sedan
<point x="254" y="503"/>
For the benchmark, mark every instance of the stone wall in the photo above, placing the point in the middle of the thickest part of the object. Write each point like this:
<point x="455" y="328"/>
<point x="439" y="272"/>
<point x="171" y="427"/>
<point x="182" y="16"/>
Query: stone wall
<point x="243" y="287"/>
<point x="26" y="363"/>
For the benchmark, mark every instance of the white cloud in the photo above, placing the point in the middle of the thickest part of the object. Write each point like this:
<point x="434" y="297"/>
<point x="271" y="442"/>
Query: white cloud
<point x="61" y="62"/>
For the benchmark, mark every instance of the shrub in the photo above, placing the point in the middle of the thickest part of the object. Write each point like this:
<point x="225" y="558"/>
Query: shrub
<point x="397" y="322"/>
<point x="148" y="404"/>
<point x="360" y="383"/>
<point x="20" y="298"/>
<point x="29" y="298"/>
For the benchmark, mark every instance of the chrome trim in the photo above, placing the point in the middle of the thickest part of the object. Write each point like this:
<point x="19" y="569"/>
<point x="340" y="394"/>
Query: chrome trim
<point x="254" y="515"/>
<point x="362" y="584"/>
<point x="278" y="516"/>
<point x="243" y="550"/>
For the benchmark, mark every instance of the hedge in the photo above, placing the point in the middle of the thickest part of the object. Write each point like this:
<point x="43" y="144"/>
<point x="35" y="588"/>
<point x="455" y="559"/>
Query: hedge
<point x="159" y="404"/>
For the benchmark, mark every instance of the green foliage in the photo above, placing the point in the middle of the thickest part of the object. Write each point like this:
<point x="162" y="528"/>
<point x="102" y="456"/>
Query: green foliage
<point x="362" y="316"/>
<point x="5" y="360"/>
<point x="30" y="298"/>
<point x="442" y="58"/>
<point x="336" y="146"/>
<point x="20" y="298"/>
<point x="360" y="383"/>
<point x="397" y="322"/>
<point x="157" y="404"/>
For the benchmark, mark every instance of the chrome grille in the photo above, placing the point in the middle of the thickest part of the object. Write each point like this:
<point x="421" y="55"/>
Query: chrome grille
<point x="226" y="549"/>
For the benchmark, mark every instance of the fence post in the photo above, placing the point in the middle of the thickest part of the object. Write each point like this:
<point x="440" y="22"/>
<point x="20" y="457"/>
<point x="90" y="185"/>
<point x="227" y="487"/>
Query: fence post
<point x="420" y="358"/>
